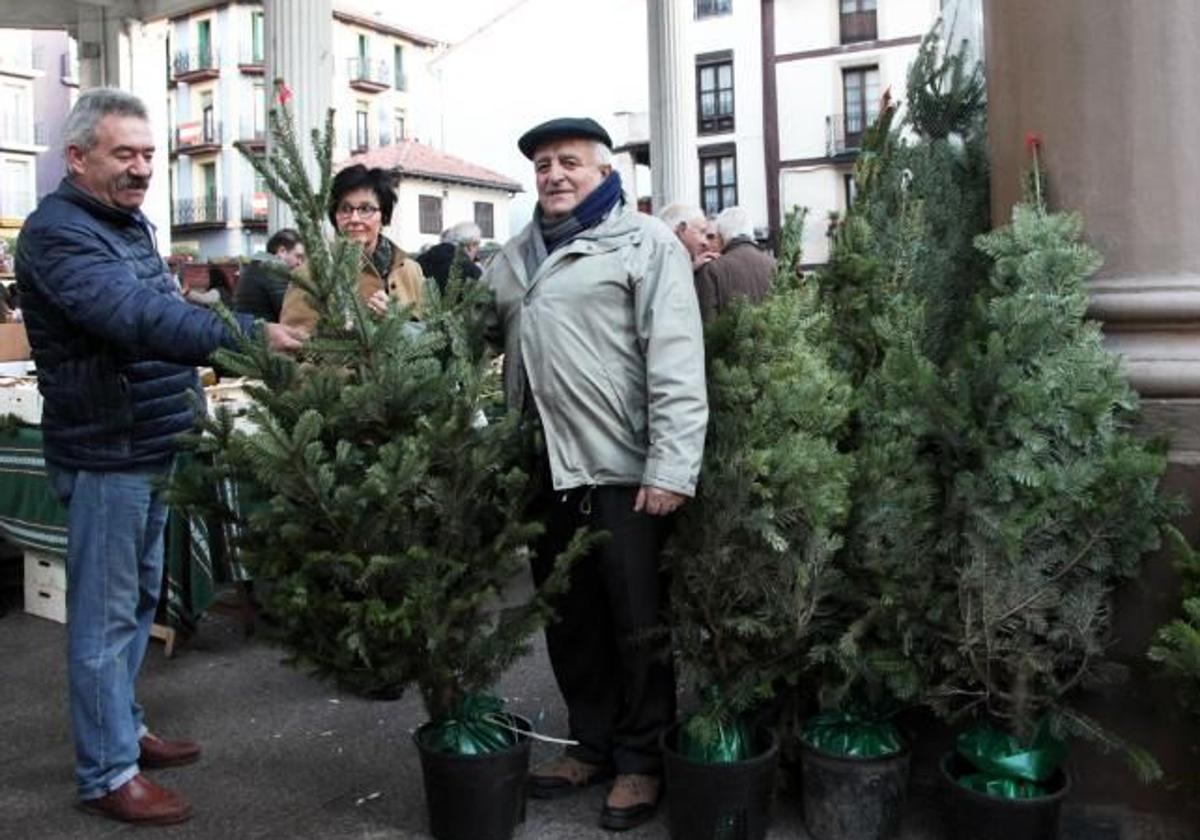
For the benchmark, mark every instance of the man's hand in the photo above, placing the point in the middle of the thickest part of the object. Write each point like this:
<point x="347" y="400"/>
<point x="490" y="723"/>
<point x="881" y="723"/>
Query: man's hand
<point x="656" y="501"/>
<point x="702" y="258"/>
<point x="378" y="302"/>
<point x="283" y="339"/>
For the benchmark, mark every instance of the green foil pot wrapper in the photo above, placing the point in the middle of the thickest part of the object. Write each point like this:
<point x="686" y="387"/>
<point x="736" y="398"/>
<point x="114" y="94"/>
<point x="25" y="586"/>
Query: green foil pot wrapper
<point x="850" y="736"/>
<point x="1003" y="755"/>
<point x="715" y="742"/>
<point x="1001" y="787"/>
<point x="477" y="726"/>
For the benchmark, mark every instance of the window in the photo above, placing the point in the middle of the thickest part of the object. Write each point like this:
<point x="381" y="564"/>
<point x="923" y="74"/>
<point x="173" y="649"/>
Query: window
<point x="484" y="217"/>
<point x="398" y="68"/>
<point x="16" y="189"/>
<point x="430" y="212"/>
<point x="16" y="113"/>
<point x="860" y="92"/>
<point x="714" y="92"/>
<point x="718" y="177"/>
<point x="260" y="110"/>
<point x="208" y="117"/>
<point x="858" y="21"/>
<point x="712" y="8"/>
<point x="208" y="174"/>
<point x="204" y="45"/>
<point x="398" y="126"/>
<point x="362" y="136"/>
<point x="256" y="37"/>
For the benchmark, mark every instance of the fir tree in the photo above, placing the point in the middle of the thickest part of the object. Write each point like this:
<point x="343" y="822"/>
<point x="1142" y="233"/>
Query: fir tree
<point x="752" y="554"/>
<point x="383" y="482"/>
<point x="1177" y="644"/>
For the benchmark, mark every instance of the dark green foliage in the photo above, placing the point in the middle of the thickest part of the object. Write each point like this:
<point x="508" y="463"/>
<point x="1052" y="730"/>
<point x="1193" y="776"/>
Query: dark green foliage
<point x="1177" y="644"/>
<point x="752" y="554"/>
<point x="1057" y="501"/>
<point x="387" y="514"/>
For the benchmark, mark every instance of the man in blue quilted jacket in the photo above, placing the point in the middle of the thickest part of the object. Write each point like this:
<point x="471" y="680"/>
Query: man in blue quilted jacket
<point x="116" y="348"/>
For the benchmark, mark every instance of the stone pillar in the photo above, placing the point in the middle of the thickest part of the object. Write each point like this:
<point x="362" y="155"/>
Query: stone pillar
<point x="674" y="167"/>
<point x="299" y="50"/>
<point x="1109" y="85"/>
<point x="131" y="55"/>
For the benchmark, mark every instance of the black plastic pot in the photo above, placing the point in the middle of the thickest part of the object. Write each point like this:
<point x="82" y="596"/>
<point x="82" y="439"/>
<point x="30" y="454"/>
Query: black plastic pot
<point x="475" y="797"/>
<point x="720" y="801"/>
<point x="853" y="798"/>
<point x="977" y="816"/>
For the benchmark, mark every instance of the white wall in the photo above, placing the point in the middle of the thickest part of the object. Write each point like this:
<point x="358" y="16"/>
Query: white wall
<point x="821" y="190"/>
<point x="458" y="205"/>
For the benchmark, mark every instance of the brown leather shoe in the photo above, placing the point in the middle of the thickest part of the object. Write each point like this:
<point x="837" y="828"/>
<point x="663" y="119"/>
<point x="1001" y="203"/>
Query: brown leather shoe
<point x="141" y="801"/>
<point x="564" y="775"/>
<point x="631" y="801"/>
<point x="159" y="752"/>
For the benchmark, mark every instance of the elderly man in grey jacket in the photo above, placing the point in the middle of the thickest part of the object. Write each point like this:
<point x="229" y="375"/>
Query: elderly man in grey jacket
<point x="604" y="347"/>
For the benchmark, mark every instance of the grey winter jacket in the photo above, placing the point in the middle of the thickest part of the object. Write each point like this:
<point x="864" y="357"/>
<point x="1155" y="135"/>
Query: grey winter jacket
<point x="608" y="332"/>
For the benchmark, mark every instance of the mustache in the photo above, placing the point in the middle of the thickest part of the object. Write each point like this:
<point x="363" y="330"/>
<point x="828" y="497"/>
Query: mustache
<point x="135" y="182"/>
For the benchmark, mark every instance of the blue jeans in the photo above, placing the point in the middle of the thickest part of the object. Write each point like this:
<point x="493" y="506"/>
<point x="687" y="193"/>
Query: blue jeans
<point x="115" y="524"/>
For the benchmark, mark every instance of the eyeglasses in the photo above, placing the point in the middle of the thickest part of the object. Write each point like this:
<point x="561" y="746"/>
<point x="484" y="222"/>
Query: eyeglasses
<point x="364" y="211"/>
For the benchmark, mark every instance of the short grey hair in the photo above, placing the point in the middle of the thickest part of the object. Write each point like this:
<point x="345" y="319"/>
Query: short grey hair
<point x="604" y="155"/>
<point x="734" y="222"/>
<point x="674" y="215"/>
<point x="463" y="233"/>
<point x="93" y="105"/>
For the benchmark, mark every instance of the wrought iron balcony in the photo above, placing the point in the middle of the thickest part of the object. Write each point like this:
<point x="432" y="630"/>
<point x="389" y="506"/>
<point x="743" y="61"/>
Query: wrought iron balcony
<point x="197" y="137"/>
<point x="254" y="209"/>
<point x="253" y="136"/>
<point x="367" y="75"/>
<point x="859" y="26"/>
<point x="844" y="132"/>
<point x="251" y="61"/>
<point x="195" y="66"/>
<point x="199" y="212"/>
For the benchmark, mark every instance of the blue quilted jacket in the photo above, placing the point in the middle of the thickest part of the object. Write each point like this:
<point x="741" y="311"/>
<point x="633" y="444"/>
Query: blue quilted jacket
<point x="114" y="342"/>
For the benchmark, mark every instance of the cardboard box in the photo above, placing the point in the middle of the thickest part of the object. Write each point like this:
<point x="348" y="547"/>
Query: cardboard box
<point x="14" y="343"/>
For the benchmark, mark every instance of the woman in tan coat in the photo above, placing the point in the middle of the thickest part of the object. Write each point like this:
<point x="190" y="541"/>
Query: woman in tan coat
<point x="360" y="206"/>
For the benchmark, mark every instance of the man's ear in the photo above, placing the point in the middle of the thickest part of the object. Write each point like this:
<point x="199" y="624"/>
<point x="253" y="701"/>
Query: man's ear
<point x="75" y="160"/>
<point x="606" y="169"/>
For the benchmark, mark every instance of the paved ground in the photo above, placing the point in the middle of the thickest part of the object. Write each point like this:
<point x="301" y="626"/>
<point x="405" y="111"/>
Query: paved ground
<point x="288" y="757"/>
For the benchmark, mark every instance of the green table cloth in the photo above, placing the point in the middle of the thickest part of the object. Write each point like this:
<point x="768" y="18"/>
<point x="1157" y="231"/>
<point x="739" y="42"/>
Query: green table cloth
<point x="197" y="558"/>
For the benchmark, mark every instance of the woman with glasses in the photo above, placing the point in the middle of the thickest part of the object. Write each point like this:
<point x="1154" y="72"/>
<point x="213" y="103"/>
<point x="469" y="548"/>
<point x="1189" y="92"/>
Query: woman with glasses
<point x="360" y="206"/>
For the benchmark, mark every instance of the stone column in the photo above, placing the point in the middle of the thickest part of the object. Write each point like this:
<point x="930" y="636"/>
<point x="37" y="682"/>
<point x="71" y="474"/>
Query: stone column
<point x="131" y="55"/>
<point x="674" y="167"/>
<point x="299" y="50"/>
<point x="1109" y="85"/>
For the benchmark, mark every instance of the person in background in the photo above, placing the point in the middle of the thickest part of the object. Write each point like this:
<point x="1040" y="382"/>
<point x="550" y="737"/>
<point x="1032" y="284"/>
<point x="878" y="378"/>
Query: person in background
<point x="603" y="348"/>
<point x="116" y="349"/>
<point x="743" y="270"/>
<point x="215" y="291"/>
<point x="689" y="224"/>
<point x="361" y="202"/>
<point x="264" y="280"/>
<point x="459" y="247"/>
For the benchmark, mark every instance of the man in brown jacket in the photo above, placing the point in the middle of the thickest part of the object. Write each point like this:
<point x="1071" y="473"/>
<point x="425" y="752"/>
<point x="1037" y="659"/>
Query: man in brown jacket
<point x="742" y="270"/>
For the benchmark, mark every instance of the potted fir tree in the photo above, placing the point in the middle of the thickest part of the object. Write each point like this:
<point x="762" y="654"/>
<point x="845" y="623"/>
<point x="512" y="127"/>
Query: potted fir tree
<point x="1055" y="501"/>
<point x="389" y="514"/>
<point x="899" y="277"/>
<point x="751" y="557"/>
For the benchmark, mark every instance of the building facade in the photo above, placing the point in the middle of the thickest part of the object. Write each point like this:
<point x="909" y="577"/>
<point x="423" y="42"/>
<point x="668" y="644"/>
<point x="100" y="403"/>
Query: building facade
<point x="22" y="135"/>
<point x="830" y="63"/>
<point x="218" y="100"/>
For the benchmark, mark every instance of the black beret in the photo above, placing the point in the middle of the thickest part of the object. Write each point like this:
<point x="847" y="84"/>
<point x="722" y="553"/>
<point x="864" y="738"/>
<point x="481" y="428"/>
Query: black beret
<point x="562" y="129"/>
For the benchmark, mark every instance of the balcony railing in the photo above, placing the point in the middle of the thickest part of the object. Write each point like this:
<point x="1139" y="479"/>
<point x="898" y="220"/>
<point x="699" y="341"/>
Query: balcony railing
<point x="195" y="66"/>
<point x="368" y="75"/>
<point x="844" y="132"/>
<point x="251" y="60"/>
<point x="357" y="141"/>
<point x="197" y="137"/>
<point x="859" y="26"/>
<point x="16" y="204"/>
<point x="254" y="209"/>
<point x="252" y="135"/>
<point x="198" y="211"/>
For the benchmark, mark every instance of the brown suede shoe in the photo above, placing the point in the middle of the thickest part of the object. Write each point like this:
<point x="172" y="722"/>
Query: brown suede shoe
<point x="564" y="775"/>
<point x="631" y="801"/>
<point x="159" y="752"/>
<point x="141" y="801"/>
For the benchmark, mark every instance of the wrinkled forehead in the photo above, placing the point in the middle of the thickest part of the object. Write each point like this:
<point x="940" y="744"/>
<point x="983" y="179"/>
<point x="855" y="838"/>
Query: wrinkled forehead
<point x="580" y="148"/>
<point x="123" y="130"/>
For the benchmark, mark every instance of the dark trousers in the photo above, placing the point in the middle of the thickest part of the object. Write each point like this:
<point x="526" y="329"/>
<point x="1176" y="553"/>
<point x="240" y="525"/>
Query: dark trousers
<point x="618" y="684"/>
